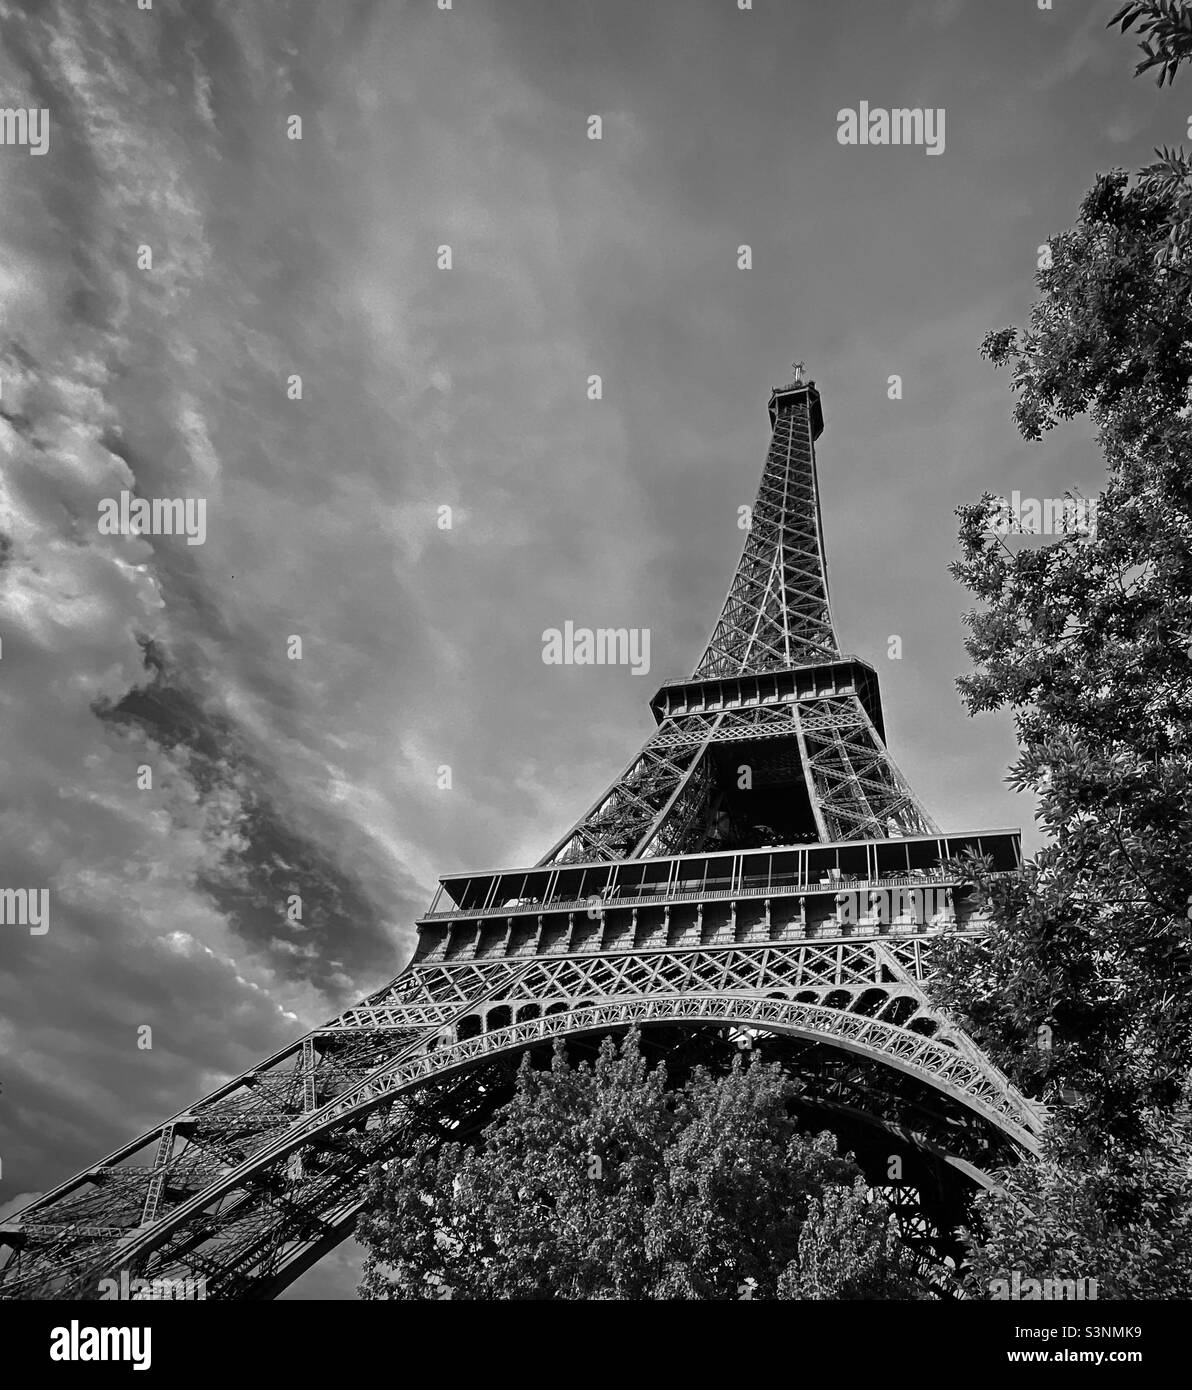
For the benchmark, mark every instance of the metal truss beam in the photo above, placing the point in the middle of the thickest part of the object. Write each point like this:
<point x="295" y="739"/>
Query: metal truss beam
<point x="240" y="1191"/>
<point x="776" y="613"/>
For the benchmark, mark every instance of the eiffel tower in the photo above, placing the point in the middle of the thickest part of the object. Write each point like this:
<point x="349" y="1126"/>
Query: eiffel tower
<point x="757" y="874"/>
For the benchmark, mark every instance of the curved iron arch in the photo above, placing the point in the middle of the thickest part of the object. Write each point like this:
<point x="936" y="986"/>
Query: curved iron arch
<point x="935" y="1061"/>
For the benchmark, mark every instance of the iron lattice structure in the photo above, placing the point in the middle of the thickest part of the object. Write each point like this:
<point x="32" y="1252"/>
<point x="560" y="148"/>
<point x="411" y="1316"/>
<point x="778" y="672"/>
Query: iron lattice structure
<point x="761" y="869"/>
<point x="772" y="676"/>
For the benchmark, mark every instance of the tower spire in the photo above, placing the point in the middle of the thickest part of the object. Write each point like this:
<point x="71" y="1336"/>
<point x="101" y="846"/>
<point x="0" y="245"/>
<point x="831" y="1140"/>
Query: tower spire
<point x="771" y="690"/>
<point x="776" y="614"/>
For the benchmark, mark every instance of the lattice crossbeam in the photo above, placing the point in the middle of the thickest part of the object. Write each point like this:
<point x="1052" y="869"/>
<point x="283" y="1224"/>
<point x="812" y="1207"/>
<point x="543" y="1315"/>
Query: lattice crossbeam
<point x="240" y="1210"/>
<point x="776" y="613"/>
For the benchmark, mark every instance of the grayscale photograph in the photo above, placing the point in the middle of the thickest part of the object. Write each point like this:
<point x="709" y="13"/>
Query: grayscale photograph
<point x="595" y="668"/>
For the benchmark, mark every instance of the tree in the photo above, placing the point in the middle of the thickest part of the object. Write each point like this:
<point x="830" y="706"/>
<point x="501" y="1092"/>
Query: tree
<point x="848" y="1249"/>
<point x="601" y="1181"/>
<point x="1088" y="641"/>
<point x="1081" y="989"/>
<point x="1164" y="33"/>
<point x="1121" y="1217"/>
<point x="1165" y="37"/>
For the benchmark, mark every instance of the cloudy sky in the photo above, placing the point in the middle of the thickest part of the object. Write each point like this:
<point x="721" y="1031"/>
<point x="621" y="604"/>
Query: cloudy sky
<point x="467" y="388"/>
